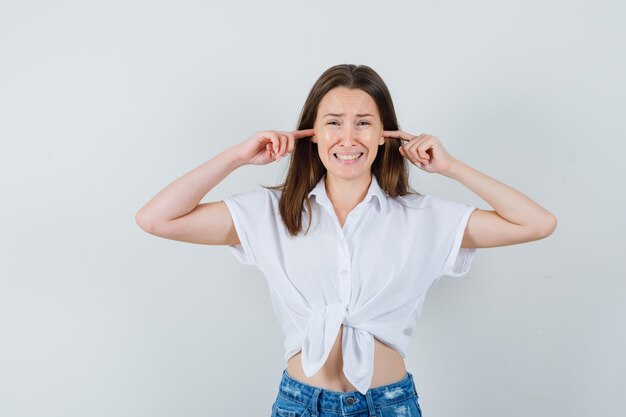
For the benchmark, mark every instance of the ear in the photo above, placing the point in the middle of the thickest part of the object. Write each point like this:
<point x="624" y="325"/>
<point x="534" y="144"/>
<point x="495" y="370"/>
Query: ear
<point x="382" y="140"/>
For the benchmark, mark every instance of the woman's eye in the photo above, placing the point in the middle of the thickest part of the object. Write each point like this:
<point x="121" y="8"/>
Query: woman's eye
<point x="334" y="122"/>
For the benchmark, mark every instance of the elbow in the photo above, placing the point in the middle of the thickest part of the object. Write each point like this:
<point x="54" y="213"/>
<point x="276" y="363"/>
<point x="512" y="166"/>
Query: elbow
<point x="143" y="222"/>
<point x="548" y="226"/>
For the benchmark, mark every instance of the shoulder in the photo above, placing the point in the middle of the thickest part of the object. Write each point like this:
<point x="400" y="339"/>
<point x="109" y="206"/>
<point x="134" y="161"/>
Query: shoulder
<point x="409" y="201"/>
<point x="258" y="200"/>
<point x="428" y="202"/>
<point x="274" y="194"/>
<point x="252" y="200"/>
<point x="259" y="194"/>
<point x="248" y="196"/>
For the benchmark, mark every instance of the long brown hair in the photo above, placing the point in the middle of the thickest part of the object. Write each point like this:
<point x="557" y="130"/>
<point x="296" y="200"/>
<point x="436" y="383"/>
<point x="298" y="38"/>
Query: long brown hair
<point x="305" y="166"/>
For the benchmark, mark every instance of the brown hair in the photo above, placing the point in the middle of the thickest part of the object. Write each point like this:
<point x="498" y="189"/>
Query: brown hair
<point x="305" y="166"/>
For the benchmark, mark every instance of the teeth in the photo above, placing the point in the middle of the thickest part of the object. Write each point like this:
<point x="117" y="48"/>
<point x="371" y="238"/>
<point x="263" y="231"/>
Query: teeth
<point x="348" y="157"/>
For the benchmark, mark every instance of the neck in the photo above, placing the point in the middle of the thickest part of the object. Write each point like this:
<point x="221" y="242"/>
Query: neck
<point x="347" y="194"/>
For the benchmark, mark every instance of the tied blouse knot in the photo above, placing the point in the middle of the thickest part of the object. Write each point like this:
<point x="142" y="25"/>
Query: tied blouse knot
<point x="370" y="276"/>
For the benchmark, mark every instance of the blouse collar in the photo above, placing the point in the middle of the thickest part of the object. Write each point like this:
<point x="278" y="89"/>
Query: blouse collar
<point x="374" y="192"/>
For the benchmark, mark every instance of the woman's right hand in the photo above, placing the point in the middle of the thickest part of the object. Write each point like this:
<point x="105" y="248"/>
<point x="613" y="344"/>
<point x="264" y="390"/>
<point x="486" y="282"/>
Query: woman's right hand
<point x="269" y="145"/>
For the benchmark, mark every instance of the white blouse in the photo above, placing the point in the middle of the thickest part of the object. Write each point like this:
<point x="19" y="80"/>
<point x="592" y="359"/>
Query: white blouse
<point x="371" y="275"/>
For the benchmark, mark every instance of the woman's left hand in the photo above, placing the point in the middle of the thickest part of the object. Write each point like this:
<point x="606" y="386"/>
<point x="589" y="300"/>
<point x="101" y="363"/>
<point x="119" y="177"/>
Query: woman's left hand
<point x="424" y="151"/>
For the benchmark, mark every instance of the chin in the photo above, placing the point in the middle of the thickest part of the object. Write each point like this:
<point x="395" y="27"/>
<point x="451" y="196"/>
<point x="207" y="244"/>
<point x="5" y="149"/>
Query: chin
<point x="347" y="173"/>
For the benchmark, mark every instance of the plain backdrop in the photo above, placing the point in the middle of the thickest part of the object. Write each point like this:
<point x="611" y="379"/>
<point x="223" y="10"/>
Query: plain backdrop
<point x="104" y="103"/>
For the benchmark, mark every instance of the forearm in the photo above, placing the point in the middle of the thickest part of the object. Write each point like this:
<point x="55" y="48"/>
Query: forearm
<point x="505" y="200"/>
<point x="183" y="194"/>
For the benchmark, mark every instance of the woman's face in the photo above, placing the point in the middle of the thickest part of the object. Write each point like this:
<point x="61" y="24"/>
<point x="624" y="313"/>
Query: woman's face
<point x="348" y="123"/>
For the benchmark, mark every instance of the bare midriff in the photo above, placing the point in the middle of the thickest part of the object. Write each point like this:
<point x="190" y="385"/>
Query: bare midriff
<point x="389" y="367"/>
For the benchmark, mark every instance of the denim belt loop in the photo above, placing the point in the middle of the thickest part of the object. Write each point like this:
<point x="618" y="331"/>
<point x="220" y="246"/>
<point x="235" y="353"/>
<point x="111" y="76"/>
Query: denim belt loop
<point x="413" y="384"/>
<point x="314" y="410"/>
<point x="370" y="403"/>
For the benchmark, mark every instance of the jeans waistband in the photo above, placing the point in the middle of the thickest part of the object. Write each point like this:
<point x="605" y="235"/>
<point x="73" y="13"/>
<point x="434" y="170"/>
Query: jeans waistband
<point x="348" y="401"/>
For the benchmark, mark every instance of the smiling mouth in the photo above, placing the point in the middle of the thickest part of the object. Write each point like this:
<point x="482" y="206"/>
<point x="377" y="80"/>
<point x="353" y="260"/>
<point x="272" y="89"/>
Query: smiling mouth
<point x="349" y="158"/>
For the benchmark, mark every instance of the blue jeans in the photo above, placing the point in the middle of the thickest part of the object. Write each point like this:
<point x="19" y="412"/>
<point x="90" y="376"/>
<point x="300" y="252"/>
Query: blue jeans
<point x="297" y="399"/>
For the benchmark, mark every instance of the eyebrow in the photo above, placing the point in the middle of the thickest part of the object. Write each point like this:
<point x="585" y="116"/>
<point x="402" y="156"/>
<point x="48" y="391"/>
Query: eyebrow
<point x="342" y="114"/>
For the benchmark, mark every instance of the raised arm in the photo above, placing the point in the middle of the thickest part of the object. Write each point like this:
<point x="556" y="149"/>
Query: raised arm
<point x="516" y="218"/>
<point x="175" y="213"/>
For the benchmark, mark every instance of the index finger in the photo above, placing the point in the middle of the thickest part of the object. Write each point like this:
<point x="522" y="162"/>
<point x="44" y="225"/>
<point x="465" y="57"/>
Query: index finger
<point x="297" y="134"/>
<point x="396" y="134"/>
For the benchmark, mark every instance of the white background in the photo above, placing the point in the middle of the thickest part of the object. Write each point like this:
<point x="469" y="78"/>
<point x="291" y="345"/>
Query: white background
<point x="102" y="104"/>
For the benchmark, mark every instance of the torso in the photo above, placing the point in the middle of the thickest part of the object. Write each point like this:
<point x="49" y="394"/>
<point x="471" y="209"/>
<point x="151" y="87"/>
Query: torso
<point x="389" y="364"/>
<point x="389" y="367"/>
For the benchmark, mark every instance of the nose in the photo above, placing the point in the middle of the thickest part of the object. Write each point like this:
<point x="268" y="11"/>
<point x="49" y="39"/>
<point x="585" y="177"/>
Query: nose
<point x="347" y="135"/>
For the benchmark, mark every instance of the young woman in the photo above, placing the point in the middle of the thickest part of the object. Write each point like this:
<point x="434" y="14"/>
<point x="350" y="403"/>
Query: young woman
<point x="349" y="250"/>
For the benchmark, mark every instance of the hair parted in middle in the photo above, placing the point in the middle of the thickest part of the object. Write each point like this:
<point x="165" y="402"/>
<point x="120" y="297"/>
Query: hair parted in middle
<point x="306" y="168"/>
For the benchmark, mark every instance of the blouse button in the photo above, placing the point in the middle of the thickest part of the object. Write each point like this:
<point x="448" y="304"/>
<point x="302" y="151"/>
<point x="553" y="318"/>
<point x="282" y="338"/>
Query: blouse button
<point x="350" y="400"/>
<point x="344" y="271"/>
